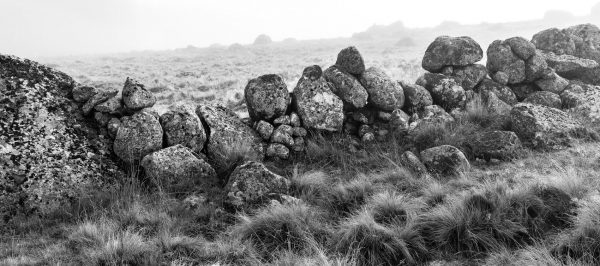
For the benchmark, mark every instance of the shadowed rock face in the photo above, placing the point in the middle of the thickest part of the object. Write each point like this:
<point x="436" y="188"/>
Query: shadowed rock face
<point x="48" y="150"/>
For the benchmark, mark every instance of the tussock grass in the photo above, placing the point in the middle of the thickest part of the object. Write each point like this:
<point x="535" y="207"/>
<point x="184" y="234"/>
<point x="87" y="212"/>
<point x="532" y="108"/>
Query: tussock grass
<point x="583" y="241"/>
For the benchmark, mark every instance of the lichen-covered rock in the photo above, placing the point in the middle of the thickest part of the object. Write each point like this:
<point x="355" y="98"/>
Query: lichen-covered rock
<point x="299" y="144"/>
<point x="313" y="72"/>
<point x="451" y="51"/>
<point x="264" y="129"/>
<point x="543" y="127"/>
<point x="523" y="90"/>
<point x="574" y="68"/>
<point x="583" y="100"/>
<point x="283" y="135"/>
<point x="278" y="150"/>
<point x="282" y="120"/>
<point x="444" y="90"/>
<point x="552" y="83"/>
<point x="555" y="40"/>
<point x="581" y="41"/>
<point x="500" y="77"/>
<point x="49" y="153"/>
<point x="536" y="67"/>
<point x="445" y="161"/>
<point x="469" y="76"/>
<point x="113" y="106"/>
<point x="267" y="97"/>
<point x="350" y="60"/>
<point x="182" y="126"/>
<point x="318" y="107"/>
<point x="299" y="132"/>
<point x="521" y="47"/>
<point x="416" y="97"/>
<point x="435" y="114"/>
<point x="414" y="165"/>
<point x="295" y="120"/>
<point x="136" y="96"/>
<point x="98" y="98"/>
<point x="228" y="135"/>
<point x="545" y="98"/>
<point x="113" y="127"/>
<point x="82" y="94"/>
<point x="252" y="183"/>
<point x="399" y="121"/>
<point x="384" y="93"/>
<point x="500" y="58"/>
<point x="347" y="87"/>
<point x="503" y="92"/>
<point x="176" y="170"/>
<point x="138" y="136"/>
<point x="501" y="145"/>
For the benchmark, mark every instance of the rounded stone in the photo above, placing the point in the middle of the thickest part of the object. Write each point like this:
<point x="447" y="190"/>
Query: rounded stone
<point x="182" y="126"/>
<point x="350" y="60"/>
<point x="267" y="97"/>
<point x="347" y="87"/>
<point x="138" y="136"/>
<point x="417" y="97"/>
<point x="545" y="98"/>
<point x="135" y="95"/>
<point x="451" y="51"/>
<point x="445" y="161"/>
<point x="252" y="183"/>
<point x="384" y="93"/>
<point x="318" y="107"/>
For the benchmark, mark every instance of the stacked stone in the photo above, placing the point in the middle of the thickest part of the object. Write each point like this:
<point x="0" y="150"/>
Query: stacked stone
<point x="268" y="102"/>
<point x="372" y="101"/>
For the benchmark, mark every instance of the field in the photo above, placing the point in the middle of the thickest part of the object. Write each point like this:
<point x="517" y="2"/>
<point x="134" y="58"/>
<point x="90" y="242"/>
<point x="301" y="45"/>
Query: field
<point x="357" y="206"/>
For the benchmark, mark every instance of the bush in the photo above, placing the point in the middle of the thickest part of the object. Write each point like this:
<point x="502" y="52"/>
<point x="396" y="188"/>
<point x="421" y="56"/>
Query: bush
<point x="290" y="227"/>
<point x="347" y="197"/>
<point x="390" y="208"/>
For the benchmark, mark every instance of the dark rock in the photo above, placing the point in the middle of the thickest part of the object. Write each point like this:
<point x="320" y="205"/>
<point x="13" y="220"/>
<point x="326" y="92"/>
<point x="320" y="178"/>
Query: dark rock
<point x="278" y="150"/>
<point x="451" y="51"/>
<point x="82" y="94"/>
<point x="503" y="92"/>
<point x="113" y="106"/>
<point x="350" y="60"/>
<point x="552" y="83"/>
<point x="264" y="129"/>
<point x="266" y="97"/>
<point x="347" y="87"/>
<point x="136" y="96"/>
<point x="138" y="136"/>
<point x="312" y="72"/>
<point x="500" y="58"/>
<point x="545" y="98"/>
<point x="182" y="126"/>
<point x="444" y="90"/>
<point x="98" y="98"/>
<point x="502" y="145"/>
<point x="417" y="97"/>
<point x="414" y="165"/>
<point x="283" y="135"/>
<point x="521" y="47"/>
<point x="523" y="90"/>
<point x="252" y="183"/>
<point x="469" y="76"/>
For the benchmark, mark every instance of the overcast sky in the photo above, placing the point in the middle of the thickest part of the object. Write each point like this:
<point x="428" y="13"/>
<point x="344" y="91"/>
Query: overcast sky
<point x="31" y="28"/>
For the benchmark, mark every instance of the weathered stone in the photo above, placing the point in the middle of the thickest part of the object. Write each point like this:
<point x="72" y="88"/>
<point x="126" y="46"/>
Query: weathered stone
<point x="266" y="97"/>
<point x="500" y="77"/>
<point x="318" y="107"/>
<point x="283" y="135"/>
<point x="582" y="100"/>
<point x="581" y="41"/>
<point x="112" y="106"/>
<point x="347" y="87"/>
<point x="181" y="125"/>
<point x="435" y="114"/>
<point x="574" y="68"/>
<point x="282" y="120"/>
<point x="299" y="132"/>
<point x="451" y="51"/>
<point x="469" y="76"/>
<point x="552" y="83"/>
<point x="536" y="68"/>
<point x="417" y="97"/>
<point x="365" y="115"/>
<point x="500" y="58"/>
<point x="82" y="94"/>
<point x="523" y="90"/>
<point x="136" y="96"/>
<point x="545" y="98"/>
<point x="350" y="60"/>
<point x="521" y="47"/>
<point x="384" y="93"/>
<point x="176" y="170"/>
<point x="414" y="165"/>
<point x="444" y="90"/>
<point x="264" y="129"/>
<point x="555" y="40"/>
<point x="252" y="183"/>
<point x="543" y="127"/>
<point x="98" y="98"/>
<point x="503" y="92"/>
<point x="364" y="129"/>
<point x="113" y="127"/>
<point x="228" y="135"/>
<point x="501" y="145"/>
<point x="295" y="120"/>
<point x="445" y="161"/>
<point x="278" y="150"/>
<point x="102" y="118"/>
<point x="399" y="121"/>
<point x="313" y="72"/>
<point x="138" y="136"/>
<point x="299" y="144"/>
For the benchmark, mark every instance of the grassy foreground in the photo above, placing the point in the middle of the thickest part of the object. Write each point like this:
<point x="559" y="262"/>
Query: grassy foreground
<point x="358" y="206"/>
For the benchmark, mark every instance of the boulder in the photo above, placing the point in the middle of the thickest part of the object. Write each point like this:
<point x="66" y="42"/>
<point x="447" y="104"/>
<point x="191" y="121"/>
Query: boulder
<point x="384" y="93"/>
<point x="313" y="72"/>
<point x="582" y="100"/>
<point x="283" y="135"/>
<point x="469" y="76"/>
<point x="581" y="41"/>
<point x="48" y="150"/>
<point x="556" y="41"/>
<point x="350" y="60"/>
<point x="347" y="87"/>
<point x="434" y="114"/>
<point x="544" y="98"/>
<point x="414" y="165"/>
<point x="98" y="98"/>
<point x="417" y="97"/>
<point x="252" y="183"/>
<point x="264" y="129"/>
<point x="451" y="51"/>
<point x="521" y="47"/>
<point x="182" y="126"/>
<point x="318" y="107"/>
<point x="574" y="68"/>
<point x="176" y="170"/>
<point x="113" y="106"/>
<point x="501" y="145"/>
<point x="228" y="135"/>
<point x="445" y="91"/>
<point x="504" y="93"/>
<point x="536" y="67"/>
<point x="278" y="150"/>
<point x="82" y="94"/>
<point x="543" y="127"/>
<point x="445" y="161"/>
<point x="138" y="136"/>
<point x="136" y="96"/>
<point x="113" y="127"/>
<point x="500" y="58"/>
<point x="552" y="83"/>
<point x="267" y="97"/>
<point x="523" y="90"/>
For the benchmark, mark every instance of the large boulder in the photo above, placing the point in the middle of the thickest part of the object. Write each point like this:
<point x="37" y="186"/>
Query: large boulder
<point x="582" y="100"/>
<point x="503" y="92"/>
<point x="228" y="135"/>
<point x="137" y="136"/>
<point x="136" y="96"/>
<point x="543" y="127"/>
<point x="444" y="90"/>
<point x="469" y="76"/>
<point x="318" y="107"/>
<point x="347" y="87"/>
<point x="176" y="170"/>
<point x="49" y="153"/>
<point x="445" y="161"/>
<point x="350" y="60"/>
<point x="451" y="51"/>
<point x="545" y="98"/>
<point x="252" y="183"/>
<point x="514" y="61"/>
<point x="384" y="93"/>
<point x="501" y="145"/>
<point x="416" y="97"/>
<point x="574" y="68"/>
<point x="182" y="126"/>
<point x="267" y="97"/>
<point x="552" y="83"/>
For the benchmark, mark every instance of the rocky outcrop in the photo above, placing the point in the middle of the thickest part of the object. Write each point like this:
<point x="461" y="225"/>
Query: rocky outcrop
<point x="318" y="107"/>
<point x="137" y="136"/>
<point x="266" y="97"/>
<point x="451" y="51"/>
<point x="176" y="170"/>
<point x="445" y="161"/>
<point x="182" y="126"/>
<point x="252" y="183"/>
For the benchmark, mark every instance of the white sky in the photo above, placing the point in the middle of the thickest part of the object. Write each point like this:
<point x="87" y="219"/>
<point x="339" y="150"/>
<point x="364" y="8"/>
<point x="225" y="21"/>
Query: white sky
<point x="31" y="28"/>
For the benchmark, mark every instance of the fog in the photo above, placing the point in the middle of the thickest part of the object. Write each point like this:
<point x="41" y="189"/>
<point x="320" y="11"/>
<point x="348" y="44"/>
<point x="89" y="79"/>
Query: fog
<point x="33" y="28"/>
